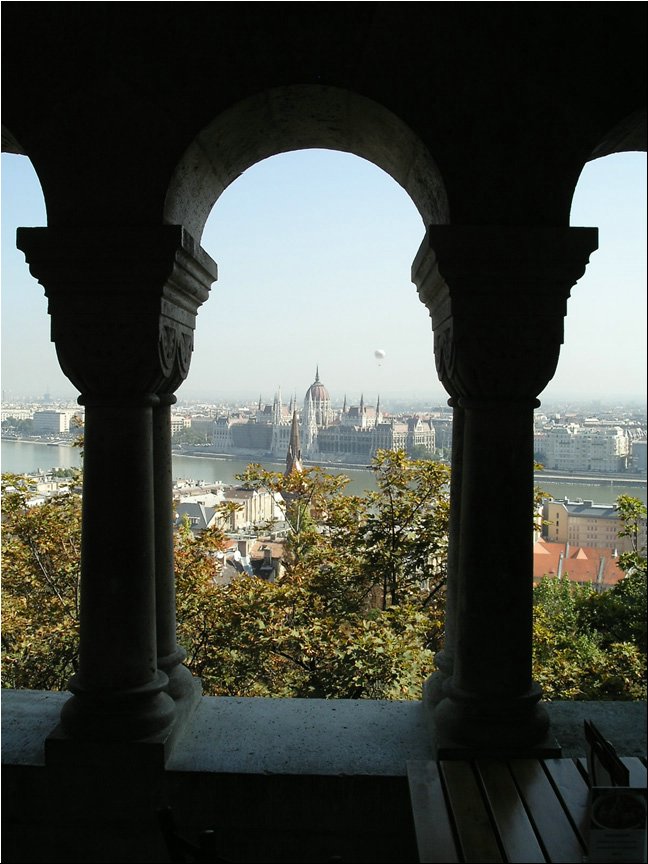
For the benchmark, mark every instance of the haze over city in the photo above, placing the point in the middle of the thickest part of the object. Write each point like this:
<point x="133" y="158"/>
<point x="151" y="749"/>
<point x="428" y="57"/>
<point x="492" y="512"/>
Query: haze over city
<point x="314" y="248"/>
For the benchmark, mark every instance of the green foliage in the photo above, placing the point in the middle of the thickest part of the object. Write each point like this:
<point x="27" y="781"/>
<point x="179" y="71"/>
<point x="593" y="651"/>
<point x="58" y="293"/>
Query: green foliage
<point x="577" y="653"/>
<point x="591" y="645"/>
<point x="357" y="613"/>
<point x="190" y="436"/>
<point x="40" y="597"/>
<point x="18" y="427"/>
<point x="632" y="512"/>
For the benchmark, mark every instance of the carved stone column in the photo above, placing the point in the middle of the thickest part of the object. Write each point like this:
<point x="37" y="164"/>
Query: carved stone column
<point x="434" y="687"/>
<point x="123" y="304"/>
<point x="497" y="298"/>
<point x="182" y="684"/>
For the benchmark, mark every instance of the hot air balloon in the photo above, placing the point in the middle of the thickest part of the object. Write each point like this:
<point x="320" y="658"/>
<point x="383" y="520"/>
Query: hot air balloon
<point x="380" y="354"/>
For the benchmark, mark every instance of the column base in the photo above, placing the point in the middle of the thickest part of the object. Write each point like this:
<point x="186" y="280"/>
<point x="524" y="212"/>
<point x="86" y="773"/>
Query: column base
<point x="118" y="715"/>
<point x="505" y="726"/>
<point x="181" y="681"/>
<point x="435" y="687"/>
<point x="62" y="747"/>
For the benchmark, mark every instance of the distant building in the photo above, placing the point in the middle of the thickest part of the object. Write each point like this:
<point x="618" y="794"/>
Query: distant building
<point x="352" y="434"/>
<point x="50" y="422"/>
<point x="16" y="414"/>
<point x="179" y="422"/>
<point x="583" y="523"/>
<point x="198" y="516"/>
<point x="638" y="457"/>
<point x="248" y="557"/>
<point x="256" y="508"/>
<point x="590" y="448"/>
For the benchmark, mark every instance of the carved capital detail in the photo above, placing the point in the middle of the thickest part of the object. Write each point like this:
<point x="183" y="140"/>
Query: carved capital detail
<point x="123" y="303"/>
<point x="497" y="298"/>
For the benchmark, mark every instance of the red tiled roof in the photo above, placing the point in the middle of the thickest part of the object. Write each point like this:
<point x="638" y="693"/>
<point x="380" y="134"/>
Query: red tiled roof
<point x="580" y="563"/>
<point x="276" y="549"/>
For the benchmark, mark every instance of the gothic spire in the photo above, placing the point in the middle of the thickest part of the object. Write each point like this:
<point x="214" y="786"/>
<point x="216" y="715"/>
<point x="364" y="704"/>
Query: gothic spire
<point x="317" y="374"/>
<point x="293" y="457"/>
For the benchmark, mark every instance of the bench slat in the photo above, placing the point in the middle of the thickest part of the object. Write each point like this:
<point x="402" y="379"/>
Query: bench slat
<point x="475" y="832"/>
<point x="573" y="790"/>
<point x="557" y="835"/>
<point x="434" y="835"/>
<point x="515" y="830"/>
<point x="637" y="770"/>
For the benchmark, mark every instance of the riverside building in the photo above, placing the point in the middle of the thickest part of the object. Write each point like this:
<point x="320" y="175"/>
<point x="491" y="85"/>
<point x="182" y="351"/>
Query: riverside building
<point x="350" y="434"/>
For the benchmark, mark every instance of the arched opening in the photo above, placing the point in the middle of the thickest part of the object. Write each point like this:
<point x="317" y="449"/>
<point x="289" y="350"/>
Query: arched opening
<point x="314" y="250"/>
<point x="590" y="436"/>
<point x="29" y="364"/>
<point x="602" y="371"/>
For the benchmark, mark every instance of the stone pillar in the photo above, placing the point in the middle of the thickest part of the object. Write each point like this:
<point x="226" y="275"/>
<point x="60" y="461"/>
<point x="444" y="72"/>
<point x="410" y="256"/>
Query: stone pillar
<point x="118" y="689"/>
<point x="123" y="304"/>
<point x="434" y="687"/>
<point x="170" y="655"/>
<point x="497" y="298"/>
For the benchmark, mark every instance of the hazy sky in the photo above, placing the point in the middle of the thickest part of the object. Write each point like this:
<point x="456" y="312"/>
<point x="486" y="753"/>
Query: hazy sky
<point x="314" y="250"/>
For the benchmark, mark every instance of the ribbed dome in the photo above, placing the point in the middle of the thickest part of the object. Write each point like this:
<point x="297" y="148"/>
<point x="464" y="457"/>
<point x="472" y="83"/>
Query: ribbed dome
<point x="317" y="391"/>
<point x="318" y="402"/>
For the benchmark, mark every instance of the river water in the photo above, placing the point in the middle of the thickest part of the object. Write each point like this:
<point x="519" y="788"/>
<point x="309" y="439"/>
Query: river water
<point x="21" y="457"/>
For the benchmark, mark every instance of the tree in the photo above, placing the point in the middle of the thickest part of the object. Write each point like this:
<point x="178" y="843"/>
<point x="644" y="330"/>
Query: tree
<point x="619" y="614"/>
<point x="591" y="645"/>
<point x="632" y="513"/>
<point x="386" y="547"/>
<point x="358" y="612"/>
<point x="572" y="658"/>
<point x="40" y="600"/>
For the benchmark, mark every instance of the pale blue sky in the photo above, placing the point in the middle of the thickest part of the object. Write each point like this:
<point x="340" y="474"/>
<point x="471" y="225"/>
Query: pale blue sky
<point x="314" y="251"/>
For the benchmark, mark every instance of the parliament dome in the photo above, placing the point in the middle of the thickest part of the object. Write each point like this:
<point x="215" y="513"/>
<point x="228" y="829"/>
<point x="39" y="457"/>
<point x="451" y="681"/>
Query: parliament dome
<point x="319" y="398"/>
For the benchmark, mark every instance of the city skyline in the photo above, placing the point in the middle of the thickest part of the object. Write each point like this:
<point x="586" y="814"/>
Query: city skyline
<point x="314" y="251"/>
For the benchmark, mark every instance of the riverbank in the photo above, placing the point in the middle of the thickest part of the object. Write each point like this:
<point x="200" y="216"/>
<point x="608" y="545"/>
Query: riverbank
<point x="269" y="460"/>
<point x="598" y="479"/>
<point x="25" y="457"/>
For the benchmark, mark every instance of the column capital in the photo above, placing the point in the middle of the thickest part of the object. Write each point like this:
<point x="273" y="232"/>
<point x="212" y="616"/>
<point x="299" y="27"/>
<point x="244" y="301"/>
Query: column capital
<point x="497" y="297"/>
<point x="123" y="302"/>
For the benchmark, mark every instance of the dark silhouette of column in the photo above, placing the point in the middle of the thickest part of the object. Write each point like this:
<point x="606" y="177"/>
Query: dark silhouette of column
<point x="118" y="688"/>
<point x="497" y="298"/>
<point x="434" y="687"/>
<point x="170" y="655"/>
<point x="123" y="305"/>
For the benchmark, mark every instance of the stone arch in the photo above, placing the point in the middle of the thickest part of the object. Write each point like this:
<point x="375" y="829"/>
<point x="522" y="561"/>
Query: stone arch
<point x="628" y="134"/>
<point x="296" y="118"/>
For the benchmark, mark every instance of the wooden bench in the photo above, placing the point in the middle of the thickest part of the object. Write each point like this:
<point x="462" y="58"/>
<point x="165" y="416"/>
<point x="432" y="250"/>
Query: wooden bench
<point x="492" y="810"/>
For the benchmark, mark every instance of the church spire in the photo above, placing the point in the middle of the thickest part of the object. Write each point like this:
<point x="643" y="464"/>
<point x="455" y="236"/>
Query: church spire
<point x="317" y="374"/>
<point x="277" y="408"/>
<point x="344" y="407"/>
<point x="294" y="457"/>
<point x="377" y="420"/>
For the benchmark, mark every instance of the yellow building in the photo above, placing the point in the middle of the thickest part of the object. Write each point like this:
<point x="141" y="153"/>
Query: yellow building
<point x="583" y="523"/>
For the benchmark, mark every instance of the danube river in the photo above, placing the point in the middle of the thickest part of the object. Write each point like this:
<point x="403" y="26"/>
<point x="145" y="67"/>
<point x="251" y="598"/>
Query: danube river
<point x="22" y="457"/>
